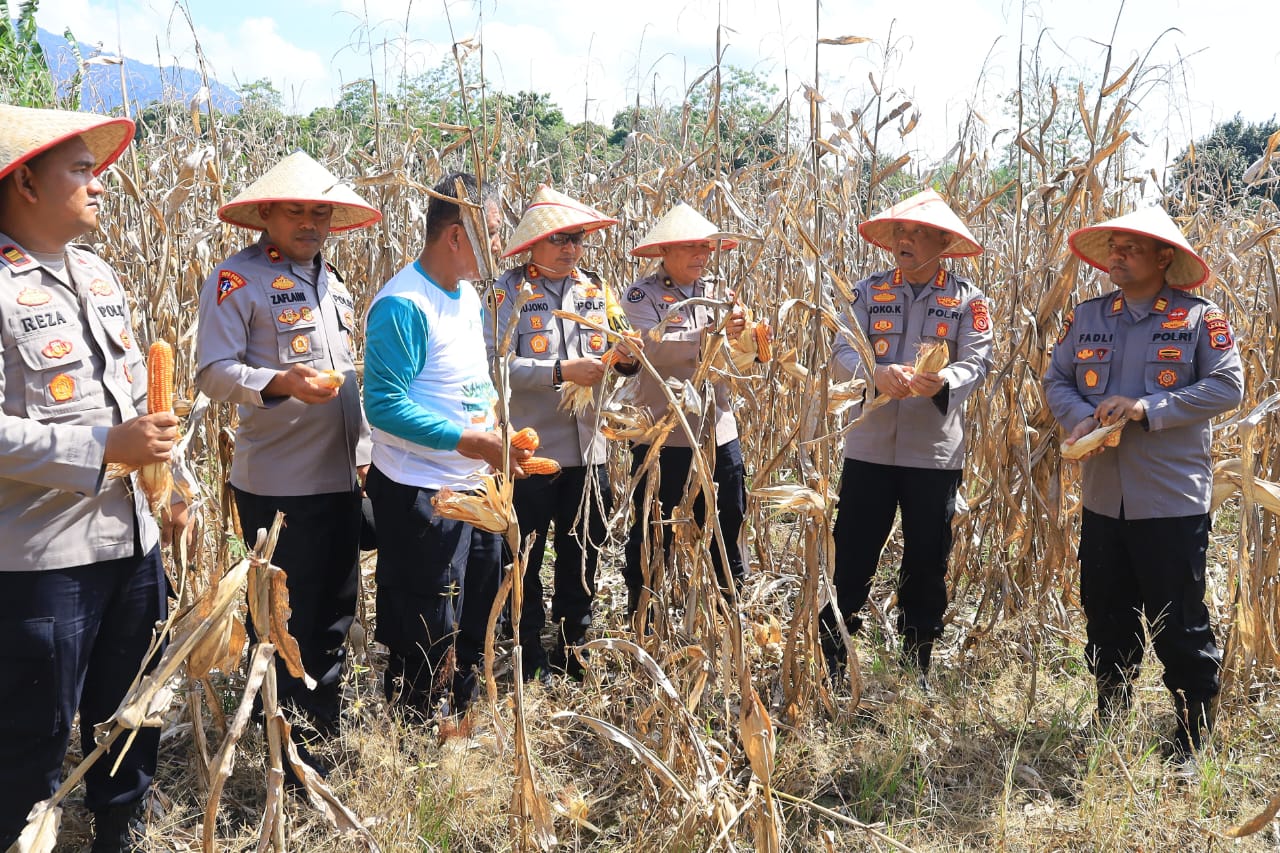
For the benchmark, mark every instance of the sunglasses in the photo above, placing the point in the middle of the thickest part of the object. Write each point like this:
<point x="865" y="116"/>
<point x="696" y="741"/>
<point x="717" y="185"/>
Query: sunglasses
<point x="563" y="239"/>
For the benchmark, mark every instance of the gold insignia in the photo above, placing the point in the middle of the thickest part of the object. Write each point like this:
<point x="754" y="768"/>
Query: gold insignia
<point x="288" y="316"/>
<point x="32" y="296"/>
<point x="538" y="344"/>
<point x="300" y="344"/>
<point x="881" y="346"/>
<point x="62" y="388"/>
<point x="1091" y="378"/>
<point x="57" y="348"/>
<point x="282" y="283"/>
<point x="1167" y="378"/>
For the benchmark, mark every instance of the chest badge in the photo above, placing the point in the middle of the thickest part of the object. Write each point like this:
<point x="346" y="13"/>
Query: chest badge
<point x="535" y="322"/>
<point x="538" y="344"/>
<point x="941" y="331"/>
<point x="126" y="339"/>
<point x="288" y="316"/>
<point x="1166" y="378"/>
<point x="1091" y="378"/>
<point x="882" y="325"/>
<point x="949" y="301"/>
<point x="32" y="296"/>
<point x="668" y="298"/>
<point x="596" y="342"/>
<point x="282" y="283"/>
<point x="57" y="348"/>
<point x="100" y="287"/>
<point x="884" y="297"/>
<point x="881" y="346"/>
<point x="635" y="294"/>
<point x="301" y="344"/>
<point x="62" y="388"/>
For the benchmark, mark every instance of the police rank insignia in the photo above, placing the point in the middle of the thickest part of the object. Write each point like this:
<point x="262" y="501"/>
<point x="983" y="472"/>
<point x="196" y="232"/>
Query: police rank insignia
<point x="1117" y="303"/>
<point x="1091" y="378"/>
<point x="57" y="348"/>
<point x="62" y="388"/>
<point x="981" y="316"/>
<point x="288" y="316"/>
<point x="282" y="283"/>
<point x="273" y="254"/>
<point x="1159" y="305"/>
<point x="635" y="294"/>
<point x="1169" y="354"/>
<point x="596" y="341"/>
<point x="882" y="325"/>
<point x="1166" y="378"/>
<point x="538" y="344"/>
<point x="881" y="346"/>
<point x="300" y="344"/>
<point x="33" y="296"/>
<point x="228" y="283"/>
<point x="100" y="287"/>
<point x="949" y="301"/>
<point x="14" y="256"/>
<point x="884" y="297"/>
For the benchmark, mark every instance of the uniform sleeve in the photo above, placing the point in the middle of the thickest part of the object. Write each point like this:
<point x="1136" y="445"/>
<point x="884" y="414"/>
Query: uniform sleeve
<point x="395" y="352"/>
<point x="62" y="457"/>
<point x="678" y="347"/>
<point x="1061" y="393"/>
<point x="1219" y="385"/>
<point x="222" y="339"/>
<point x="973" y="355"/>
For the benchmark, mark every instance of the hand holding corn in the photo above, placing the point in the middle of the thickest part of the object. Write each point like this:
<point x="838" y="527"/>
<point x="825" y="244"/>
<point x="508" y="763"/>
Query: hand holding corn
<point x="303" y="383"/>
<point x="489" y="447"/>
<point x="142" y="440"/>
<point x="894" y="380"/>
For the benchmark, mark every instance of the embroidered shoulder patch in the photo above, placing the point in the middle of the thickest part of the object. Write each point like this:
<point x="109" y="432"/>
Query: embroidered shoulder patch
<point x="14" y="256"/>
<point x="635" y="294"/>
<point x="228" y="283"/>
<point x="981" y="316"/>
<point x="1066" y="326"/>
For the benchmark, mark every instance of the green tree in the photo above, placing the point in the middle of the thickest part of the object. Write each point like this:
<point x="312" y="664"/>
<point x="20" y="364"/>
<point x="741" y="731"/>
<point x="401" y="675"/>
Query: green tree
<point x="25" y="78"/>
<point x="1212" y="169"/>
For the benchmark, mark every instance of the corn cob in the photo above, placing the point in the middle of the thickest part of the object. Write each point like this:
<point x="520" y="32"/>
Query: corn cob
<point x="540" y="465"/>
<point x="155" y="479"/>
<point x="764" y="349"/>
<point x="327" y="379"/>
<point x="525" y="439"/>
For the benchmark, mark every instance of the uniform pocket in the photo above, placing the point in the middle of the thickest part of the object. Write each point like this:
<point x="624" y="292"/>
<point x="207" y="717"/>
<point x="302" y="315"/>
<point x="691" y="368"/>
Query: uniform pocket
<point x="1169" y="366"/>
<point x="1093" y="369"/>
<point x="28" y="678"/>
<point x="58" y="379"/>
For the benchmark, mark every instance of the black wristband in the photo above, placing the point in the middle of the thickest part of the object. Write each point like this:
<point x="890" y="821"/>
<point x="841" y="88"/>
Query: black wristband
<point x="557" y="374"/>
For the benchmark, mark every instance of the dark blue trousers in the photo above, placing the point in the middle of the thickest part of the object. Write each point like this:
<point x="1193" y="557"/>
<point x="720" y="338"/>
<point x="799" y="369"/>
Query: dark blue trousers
<point x="73" y="640"/>
<point x="436" y="583"/>
<point x="731" y="505"/>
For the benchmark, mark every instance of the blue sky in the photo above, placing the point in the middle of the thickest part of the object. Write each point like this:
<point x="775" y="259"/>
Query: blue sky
<point x="1213" y="59"/>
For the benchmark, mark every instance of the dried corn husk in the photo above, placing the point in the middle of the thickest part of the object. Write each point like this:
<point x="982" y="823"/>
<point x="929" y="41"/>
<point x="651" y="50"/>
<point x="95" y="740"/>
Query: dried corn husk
<point x="1094" y="440"/>
<point x="932" y="356"/>
<point x="489" y="509"/>
<point x="576" y="398"/>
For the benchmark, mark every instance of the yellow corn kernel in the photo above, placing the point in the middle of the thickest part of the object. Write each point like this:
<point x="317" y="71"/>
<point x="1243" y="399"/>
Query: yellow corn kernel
<point x="525" y="439"/>
<point x="160" y="377"/>
<point x="540" y="465"/>
<point x="764" y="349"/>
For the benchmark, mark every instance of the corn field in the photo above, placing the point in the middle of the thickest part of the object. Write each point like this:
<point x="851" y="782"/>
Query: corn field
<point x="716" y="729"/>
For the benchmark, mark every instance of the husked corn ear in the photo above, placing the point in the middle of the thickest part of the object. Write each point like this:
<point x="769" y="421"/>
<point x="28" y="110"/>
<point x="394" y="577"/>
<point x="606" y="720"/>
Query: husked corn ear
<point x="160" y="377"/>
<point x="327" y="379"/>
<point x="932" y="357"/>
<point x="540" y="465"/>
<point x="525" y="439"/>
<point x="764" y="348"/>
<point x="610" y="357"/>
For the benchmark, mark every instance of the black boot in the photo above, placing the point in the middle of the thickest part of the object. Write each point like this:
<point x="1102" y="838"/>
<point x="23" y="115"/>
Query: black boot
<point x="833" y="650"/>
<point x="1114" y="700"/>
<point x="916" y="655"/>
<point x="563" y="658"/>
<point x="117" y="829"/>
<point x="1192" y="725"/>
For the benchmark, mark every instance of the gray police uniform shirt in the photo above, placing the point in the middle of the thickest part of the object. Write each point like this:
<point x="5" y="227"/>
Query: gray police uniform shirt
<point x="1180" y="359"/>
<point x="918" y="432"/>
<point x="647" y="303"/>
<point x="536" y="341"/>
<point x="261" y="313"/>
<point x="72" y="370"/>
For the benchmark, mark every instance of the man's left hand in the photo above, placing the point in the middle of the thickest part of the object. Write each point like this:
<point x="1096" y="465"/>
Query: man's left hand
<point x="926" y="384"/>
<point x="1119" y="408"/>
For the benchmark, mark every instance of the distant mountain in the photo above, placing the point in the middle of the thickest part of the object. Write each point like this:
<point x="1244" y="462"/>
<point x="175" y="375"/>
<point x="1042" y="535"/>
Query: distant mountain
<point x="146" y="83"/>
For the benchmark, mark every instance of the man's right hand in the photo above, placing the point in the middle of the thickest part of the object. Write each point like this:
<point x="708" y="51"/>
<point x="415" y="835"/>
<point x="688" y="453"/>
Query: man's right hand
<point x="142" y="440"/>
<point x="1082" y="429"/>
<point x="582" y="371"/>
<point x="489" y="447"/>
<point x="894" y="380"/>
<point x="294" y="383"/>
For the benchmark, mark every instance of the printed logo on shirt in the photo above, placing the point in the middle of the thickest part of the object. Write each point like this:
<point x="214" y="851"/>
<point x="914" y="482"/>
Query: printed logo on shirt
<point x="228" y="283"/>
<point x="596" y="342"/>
<point x="941" y="331"/>
<point x="539" y="344"/>
<point x="1091" y="378"/>
<point x="881" y="346"/>
<point x="288" y="316"/>
<point x="635" y="294"/>
<point x="14" y="256"/>
<point x="273" y="255"/>
<point x="62" y="388"/>
<point x="282" y="283"/>
<point x="1169" y="354"/>
<point x="57" y="348"/>
<point x="1159" y="305"/>
<point x="32" y="296"/>
<point x="100" y="287"/>
<point x="981" y="316"/>
<point x="882" y="325"/>
<point x="949" y="301"/>
<point x="1166" y="378"/>
<point x="884" y="297"/>
<point x="301" y="344"/>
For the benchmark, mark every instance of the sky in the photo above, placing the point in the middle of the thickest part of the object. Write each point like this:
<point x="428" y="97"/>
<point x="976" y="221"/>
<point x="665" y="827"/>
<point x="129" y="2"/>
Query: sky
<point x="1206" y="61"/>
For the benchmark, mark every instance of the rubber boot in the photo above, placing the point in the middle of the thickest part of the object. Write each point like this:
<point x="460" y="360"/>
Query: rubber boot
<point x="916" y="655"/>
<point x="116" y="829"/>
<point x="1192" y="726"/>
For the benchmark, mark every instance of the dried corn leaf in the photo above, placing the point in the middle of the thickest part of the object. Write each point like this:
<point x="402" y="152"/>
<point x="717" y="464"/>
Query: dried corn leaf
<point x="320" y="796"/>
<point x="932" y="356"/>
<point x="756" y="731"/>
<point x="489" y="509"/>
<point x="286" y="646"/>
<point x="40" y="835"/>
<point x="212" y="649"/>
<point x="576" y="398"/>
<point x="645" y="755"/>
<point x="1257" y="822"/>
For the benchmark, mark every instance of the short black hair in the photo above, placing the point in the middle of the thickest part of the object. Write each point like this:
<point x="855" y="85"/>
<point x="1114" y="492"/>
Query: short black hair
<point x="441" y="212"/>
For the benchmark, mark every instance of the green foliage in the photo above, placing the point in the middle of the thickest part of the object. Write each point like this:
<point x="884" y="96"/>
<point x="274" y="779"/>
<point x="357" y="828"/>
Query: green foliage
<point x="1211" y="170"/>
<point x="25" y="79"/>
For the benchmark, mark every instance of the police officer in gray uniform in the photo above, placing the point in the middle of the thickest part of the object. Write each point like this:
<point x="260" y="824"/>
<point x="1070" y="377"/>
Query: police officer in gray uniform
<point x="684" y="240"/>
<point x="546" y="352"/>
<point x="273" y="317"/>
<point x="908" y="453"/>
<point x="80" y="577"/>
<point x="1163" y="359"/>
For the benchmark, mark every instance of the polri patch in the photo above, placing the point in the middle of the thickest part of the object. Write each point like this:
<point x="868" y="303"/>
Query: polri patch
<point x="538" y="344"/>
<point x="62" y="388"/>
<point x="1066" y="326"/>
<point x="282" y="283"/>
<point x="635" y="294"/>
<point x="228" y="283"/>
<point x="949" y="301"/>
<point x="596" y="342"/>
<point x="1091" y="378"/>
<point x="33" y="296"/>
<point x="881" y="346"/>
<point x="1167" y="378"/>
<point x="100" y="287"/>
<point x="301" y="344"/>
<point x="57" y="348"/>
<point x="288" y="316"/>
<point x="941" y="331"/>
<point x="981" y="316"/>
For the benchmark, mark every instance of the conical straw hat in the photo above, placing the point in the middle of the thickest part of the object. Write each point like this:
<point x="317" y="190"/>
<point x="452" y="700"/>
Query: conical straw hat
<point x="549" y="213"/>
<point x="682" y="224"/>
<point x="1187" y="270"/>
<point x="298" y="178"/>
<point x="923" y="208"/>
<point x="26" y="132"/>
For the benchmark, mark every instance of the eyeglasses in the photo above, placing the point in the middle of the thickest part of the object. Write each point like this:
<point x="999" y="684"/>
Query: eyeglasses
<point x="563" y="239"/>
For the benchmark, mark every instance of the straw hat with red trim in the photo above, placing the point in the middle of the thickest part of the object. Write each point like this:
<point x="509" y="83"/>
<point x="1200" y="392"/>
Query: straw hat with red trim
<point x="682" y="224"/>
<point x="549" y="213"/>
<point x="26" y="132"/>
<point x="1188" y="270"/>
<point x="923" y="208"/>
<point x="298" y="178"/>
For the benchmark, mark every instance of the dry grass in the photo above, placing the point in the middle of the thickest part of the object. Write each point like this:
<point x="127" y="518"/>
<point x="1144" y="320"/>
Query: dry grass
<point x="646" y="754"/>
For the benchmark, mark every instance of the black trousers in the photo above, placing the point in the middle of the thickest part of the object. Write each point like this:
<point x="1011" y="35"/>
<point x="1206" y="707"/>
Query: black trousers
<point x="870" y="495"/>
<point x="674" y="464"/>
<point x="319" y="550"/>
<point x="72" y="640"/>
<point x="540" y="501"/>
<point x="437" y="580"/>
<point x="1152" y="567"/>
